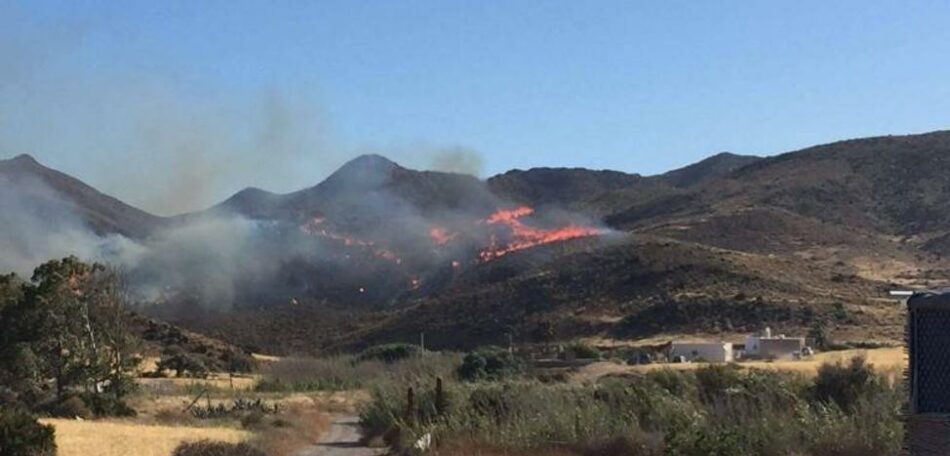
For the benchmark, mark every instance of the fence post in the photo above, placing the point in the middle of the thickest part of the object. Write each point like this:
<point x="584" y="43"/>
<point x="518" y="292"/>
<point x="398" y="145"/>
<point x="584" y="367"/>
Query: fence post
<point x="410" y="405"/>
<point x="439" y="397"/>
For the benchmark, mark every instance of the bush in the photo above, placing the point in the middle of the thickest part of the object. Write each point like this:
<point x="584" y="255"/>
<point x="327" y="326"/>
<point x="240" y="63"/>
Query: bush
<point x="22" y="435"/>
<point x="240" y="362"/>
<point x="489" y="363"/>
<point x="183" y="363"/>
<point x="209" y="448"/>
<point x="582" y="351"/>
<point x="107" y="405"/>
<point x="714" y="380"/>
<point x="71" y="407"/>
<point x="239" y="407"/>
<point x="389" y="353"/>
<point x="846" y="384"/>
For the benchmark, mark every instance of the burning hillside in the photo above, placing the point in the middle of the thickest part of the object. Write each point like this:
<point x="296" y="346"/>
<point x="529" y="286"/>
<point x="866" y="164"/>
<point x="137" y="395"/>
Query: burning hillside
<point x="512" y="234"/>
<point x="502" y="232"/>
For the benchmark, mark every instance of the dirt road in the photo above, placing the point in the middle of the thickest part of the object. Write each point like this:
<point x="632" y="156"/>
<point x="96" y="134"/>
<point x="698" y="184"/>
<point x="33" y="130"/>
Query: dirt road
<point x="343" y="439"/>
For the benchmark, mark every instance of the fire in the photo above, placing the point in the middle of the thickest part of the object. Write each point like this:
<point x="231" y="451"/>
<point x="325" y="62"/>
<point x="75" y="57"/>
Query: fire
<point x="440" y="235"/>
<point x="524" y="236"/>
<point x="314" y="228"/>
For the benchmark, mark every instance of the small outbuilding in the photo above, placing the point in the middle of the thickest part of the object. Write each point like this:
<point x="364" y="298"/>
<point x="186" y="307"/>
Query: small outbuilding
<point x="713" y="352"/>
<point x="765" y="345"/>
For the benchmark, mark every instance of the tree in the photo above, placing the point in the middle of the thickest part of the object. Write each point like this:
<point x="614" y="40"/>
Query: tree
<point x="488" y="363"/>
<point x="818" y="334"/>
<point x="175" y="358"/>
<point x="68" y="330"/>
<point x="22" y="435"/>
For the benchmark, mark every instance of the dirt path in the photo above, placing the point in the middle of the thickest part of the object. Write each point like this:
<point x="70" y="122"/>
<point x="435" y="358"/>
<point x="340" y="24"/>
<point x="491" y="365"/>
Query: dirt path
<point x="342" y="439"/>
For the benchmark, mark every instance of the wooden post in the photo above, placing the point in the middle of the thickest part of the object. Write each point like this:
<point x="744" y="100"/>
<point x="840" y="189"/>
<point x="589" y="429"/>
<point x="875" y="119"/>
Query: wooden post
<point x="410" y="405"/>
<point x="439" y="397"/>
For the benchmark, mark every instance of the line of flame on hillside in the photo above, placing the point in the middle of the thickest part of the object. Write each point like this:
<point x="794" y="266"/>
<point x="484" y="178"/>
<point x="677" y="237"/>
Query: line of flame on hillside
<point x="501" y="233"/>
<point x="316" y="227"/>
<point x="522" y="236"/>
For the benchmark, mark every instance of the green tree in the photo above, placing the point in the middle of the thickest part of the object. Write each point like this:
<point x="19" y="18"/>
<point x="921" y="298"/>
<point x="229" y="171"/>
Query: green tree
<point x="66" y="331"/>
<point x="22" y="435"/>
<point x="819" y="334"/>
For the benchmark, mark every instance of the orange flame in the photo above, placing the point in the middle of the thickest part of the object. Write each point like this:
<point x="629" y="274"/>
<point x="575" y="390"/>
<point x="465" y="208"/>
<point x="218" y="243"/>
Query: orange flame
<point x="440" y="235"/>
<point x="524" y="236"/>
<point x="313" y="228"/>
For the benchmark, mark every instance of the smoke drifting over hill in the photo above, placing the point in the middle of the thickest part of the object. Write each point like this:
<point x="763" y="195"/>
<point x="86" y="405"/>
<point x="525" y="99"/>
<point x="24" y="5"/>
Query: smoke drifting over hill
<point x="155" y="137"/>
<point x="36" y="225"/>
<point x="372" y="232"/>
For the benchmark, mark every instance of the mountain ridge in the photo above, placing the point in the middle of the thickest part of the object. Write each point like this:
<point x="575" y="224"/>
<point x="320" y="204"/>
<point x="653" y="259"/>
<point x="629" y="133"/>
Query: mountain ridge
<point x="812" y="235"/>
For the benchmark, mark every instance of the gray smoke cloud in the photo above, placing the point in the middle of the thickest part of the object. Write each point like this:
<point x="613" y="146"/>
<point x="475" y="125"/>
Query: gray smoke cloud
<point x="206" y="257"/>
<point x="143" y="131"/>
<point x="37" y="225"/>
<point x="457" y="160"/>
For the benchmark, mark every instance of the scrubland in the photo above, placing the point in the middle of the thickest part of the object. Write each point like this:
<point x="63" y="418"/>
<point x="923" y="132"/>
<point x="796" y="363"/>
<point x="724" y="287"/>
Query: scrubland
<point x="836" y="404"/>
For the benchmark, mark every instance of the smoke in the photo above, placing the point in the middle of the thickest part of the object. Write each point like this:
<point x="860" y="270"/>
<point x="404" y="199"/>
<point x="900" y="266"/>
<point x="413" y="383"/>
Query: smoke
<point x="457" y="160"/>
<point x="170" y="142"/>
<point x="37" y="225"/>
<point x="208" y="258"/>
<point x="141" y="129"/>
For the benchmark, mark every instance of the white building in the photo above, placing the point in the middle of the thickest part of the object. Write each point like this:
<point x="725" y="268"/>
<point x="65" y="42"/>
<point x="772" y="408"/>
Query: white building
<point x="765" y="345"/>
<point x="713" y="352"/>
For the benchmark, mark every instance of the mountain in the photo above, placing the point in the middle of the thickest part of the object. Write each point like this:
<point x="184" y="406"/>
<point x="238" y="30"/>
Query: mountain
<point x="364" y="190"/>
<point x="55" y="193"/>
<point x="711" y="168"/>
<point x="597" y="193"/>
<point x="378" y="252"/>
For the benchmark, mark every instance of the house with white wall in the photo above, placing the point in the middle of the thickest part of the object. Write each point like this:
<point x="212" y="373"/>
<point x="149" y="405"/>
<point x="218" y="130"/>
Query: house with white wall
<point x="767" y="345"/>
<point x="713" y="352"/>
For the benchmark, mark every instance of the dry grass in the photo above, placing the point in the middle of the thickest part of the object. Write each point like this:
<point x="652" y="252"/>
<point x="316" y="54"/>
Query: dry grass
<point x="120" y="438"/>
<point x="299" y="427"/>
<point x="891" y="361"/>
<point x="478" y="449"/>
<point x="216" y="381"/>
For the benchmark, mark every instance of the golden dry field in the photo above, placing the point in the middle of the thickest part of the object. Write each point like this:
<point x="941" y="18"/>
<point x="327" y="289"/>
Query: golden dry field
<point x="891" y="361"/>
<point x="125" y="438"/>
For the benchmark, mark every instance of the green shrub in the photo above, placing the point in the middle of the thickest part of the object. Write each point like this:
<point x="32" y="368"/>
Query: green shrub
<point x="713" y="381"/>
<point x="675" y="382"/>
<point x="210" y="448"/>
<point x="389" y="353"/>
<point x="22" y="435"/>
<point x="717" y="410"/>
<point x="489" y="363"/>
<point x="846" y="384"/>
<point x="582" y="351"/>
<point x="107" y="405"/>
<point x="240" y="362"/>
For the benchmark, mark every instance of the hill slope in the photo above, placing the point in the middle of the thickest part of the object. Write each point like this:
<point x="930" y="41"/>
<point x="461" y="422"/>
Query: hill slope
<point x="51" y="191"/>
<point x="378" y="252"/>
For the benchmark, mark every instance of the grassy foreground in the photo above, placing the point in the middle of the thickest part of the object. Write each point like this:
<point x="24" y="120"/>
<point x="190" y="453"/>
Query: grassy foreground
<point x="845" y="409"/>
<point x="118" y="438"/>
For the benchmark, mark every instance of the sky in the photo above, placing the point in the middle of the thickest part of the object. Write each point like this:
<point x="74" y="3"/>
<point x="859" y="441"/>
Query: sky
<point x="175" y="105"/>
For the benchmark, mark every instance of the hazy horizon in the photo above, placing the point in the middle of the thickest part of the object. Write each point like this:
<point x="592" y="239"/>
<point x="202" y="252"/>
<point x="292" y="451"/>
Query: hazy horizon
<point x="173" y="107"/>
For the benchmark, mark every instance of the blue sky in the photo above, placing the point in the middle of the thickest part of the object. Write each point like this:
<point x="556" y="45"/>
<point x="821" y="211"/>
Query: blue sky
<point x="277" y="94"/>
